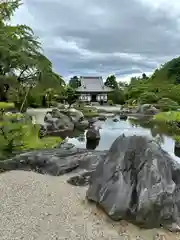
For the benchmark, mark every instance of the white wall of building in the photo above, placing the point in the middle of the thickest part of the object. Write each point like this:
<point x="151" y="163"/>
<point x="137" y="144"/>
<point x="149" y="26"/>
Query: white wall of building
<point x="87" y="97"/>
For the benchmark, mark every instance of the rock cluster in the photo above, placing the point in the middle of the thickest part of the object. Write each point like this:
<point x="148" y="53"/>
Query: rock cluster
<point x="58" y="121"/>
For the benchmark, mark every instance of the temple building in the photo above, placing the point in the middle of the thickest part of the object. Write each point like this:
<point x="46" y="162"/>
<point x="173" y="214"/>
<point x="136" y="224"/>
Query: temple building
<point x="92" y="89"/>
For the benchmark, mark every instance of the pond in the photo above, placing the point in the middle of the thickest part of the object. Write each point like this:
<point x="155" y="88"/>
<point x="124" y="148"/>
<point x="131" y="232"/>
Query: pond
<point x="110" y="130"/>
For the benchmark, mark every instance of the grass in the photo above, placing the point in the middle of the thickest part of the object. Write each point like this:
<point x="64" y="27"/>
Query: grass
<point x="6" y="105"/>
<point x="23" y="136"/>
<point x="167" y="116"/>
<point x="46" y="142"/>
<point x="32" y="141"/>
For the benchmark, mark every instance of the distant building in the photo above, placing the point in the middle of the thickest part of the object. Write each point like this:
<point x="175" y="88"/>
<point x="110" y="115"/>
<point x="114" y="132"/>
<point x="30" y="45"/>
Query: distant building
<point x="92" y="89"/>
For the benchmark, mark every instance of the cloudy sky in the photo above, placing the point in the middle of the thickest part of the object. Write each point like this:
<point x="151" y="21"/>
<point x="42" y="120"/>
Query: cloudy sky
<point x="102" y="37"/>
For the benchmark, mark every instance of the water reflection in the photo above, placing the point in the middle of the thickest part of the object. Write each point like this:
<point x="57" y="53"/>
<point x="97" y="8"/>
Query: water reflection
<point x="81" y="138"/>
<point x="110" y="130"/>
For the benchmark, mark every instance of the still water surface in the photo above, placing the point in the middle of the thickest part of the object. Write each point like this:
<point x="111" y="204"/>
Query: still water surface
<point x="110" y="130"/>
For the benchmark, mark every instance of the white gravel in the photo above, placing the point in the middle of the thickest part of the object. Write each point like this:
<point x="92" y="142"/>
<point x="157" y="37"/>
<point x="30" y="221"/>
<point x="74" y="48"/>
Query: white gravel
<point x="42" y="207"/>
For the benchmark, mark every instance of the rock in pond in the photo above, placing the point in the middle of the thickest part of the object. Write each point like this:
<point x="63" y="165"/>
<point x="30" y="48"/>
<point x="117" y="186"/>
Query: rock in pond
<point x="58" y="121"/>
<point x="93" y="133"/>
<point x="102" y="118"/>
<point x="74" y="114"/>
<point x="66" y="119"/>
<point x="177" y="144"/>
<point x="177" y="149"/>
<point x="82" y="125"/>
<point x="138" y="181"/>
<point x="123" y="117"/>
<point x="115" y="120"/>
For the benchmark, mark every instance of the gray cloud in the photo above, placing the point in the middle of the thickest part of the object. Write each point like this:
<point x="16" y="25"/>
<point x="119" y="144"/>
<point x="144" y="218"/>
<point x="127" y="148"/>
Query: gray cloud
<point x="102" y="36"/>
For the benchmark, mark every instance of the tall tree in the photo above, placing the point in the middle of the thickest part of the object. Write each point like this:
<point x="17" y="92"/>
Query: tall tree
<point x="144" y="76"/>
<point x="74" y="82"/>
<point x="22" y="64"/>
<point x="71" y="96"/>
<point x="111" y="82"/>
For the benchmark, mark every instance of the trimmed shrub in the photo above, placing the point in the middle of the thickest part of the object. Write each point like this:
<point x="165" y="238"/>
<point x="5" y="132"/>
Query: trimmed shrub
<point x="110" y="102"/>
<point x="17" y="133"/>
<point x="148" y="97"/>
<point x="167" y="104"/>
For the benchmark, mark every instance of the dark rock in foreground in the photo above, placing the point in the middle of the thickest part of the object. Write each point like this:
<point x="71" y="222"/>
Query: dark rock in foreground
<point x="56" y="162"/>
<point x="138" y="181"/>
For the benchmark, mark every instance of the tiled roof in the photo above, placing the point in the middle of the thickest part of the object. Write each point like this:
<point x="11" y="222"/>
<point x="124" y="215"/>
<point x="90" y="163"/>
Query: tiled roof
<point x="92" y="84"/>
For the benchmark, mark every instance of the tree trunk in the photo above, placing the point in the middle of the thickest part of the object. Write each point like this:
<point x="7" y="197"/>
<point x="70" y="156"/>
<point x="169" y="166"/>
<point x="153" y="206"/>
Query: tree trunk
<point x="27" y="92"/>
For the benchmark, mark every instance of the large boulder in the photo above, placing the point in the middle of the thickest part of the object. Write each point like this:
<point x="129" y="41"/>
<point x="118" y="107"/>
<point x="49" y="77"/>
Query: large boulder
<point x="147" y="109"/>
<point x="73" y="113"/>
<point x="76" y="115"/>
<point x="139" y="181"/>
<point x="82" y="125"/>
<point x="58" y="120"/>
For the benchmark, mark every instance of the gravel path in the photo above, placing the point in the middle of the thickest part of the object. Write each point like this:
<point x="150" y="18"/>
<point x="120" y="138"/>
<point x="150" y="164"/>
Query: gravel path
<point x="42" y="207"/>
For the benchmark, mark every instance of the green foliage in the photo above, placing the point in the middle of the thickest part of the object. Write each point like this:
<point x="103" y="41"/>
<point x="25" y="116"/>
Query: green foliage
<point x="173" y="67"/>
<point x="71" y="96"/>
<point x="7" y="8"/>
<point x="164" y="83"/>
<point x="148" y="97"/>
<point x="177" y="138"/>
<point x="34" y="100"/>
<point x="117" y="96"/>
<point x="24" y="71"/>
<point x="110" y="102"/>
<point x="170" y="116"/>
<point x="18" y="133"/>
<point x="166" y="104"/>
<point x="111" y="82"/>
<point x="74" y="82"/>
<point x="22" y="64"/>
<point x="87" y="111"/>
<point x="131" y="102"/>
